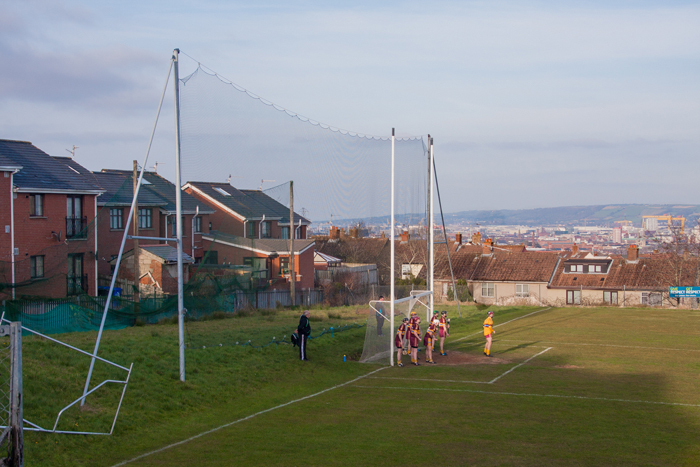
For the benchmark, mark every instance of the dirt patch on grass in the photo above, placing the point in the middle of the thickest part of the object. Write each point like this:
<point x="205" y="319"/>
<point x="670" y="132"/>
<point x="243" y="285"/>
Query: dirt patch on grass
<point x="568" y="367"/>
<point x="459" y="358"/>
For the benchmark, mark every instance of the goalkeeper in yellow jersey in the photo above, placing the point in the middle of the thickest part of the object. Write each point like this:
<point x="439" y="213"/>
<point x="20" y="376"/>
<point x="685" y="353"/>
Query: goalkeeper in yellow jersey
<point x="488" y="333"/>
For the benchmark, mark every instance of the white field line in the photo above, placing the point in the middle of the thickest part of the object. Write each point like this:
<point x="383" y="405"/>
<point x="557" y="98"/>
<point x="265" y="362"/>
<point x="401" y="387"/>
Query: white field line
<point x="519" y="365"/>
<point x="558" y="396"/>
<point x="431" y="380"/>
<point x="599" y="345"/>
<point x="244" y="419"/>
<point x="458" y="381"/>
<point x="503" y="324"/>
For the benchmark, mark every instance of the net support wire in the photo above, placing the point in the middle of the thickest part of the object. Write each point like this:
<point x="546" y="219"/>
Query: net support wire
<point x="126" y="230"/>
<point x="35" y="427"/>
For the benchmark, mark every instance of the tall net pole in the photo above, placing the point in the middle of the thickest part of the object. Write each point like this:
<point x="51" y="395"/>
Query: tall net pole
<point x="292" y="234"/>
<point x="393" y="249"/>
<point x="430" y="226"/>
<point x="178" y="213"/>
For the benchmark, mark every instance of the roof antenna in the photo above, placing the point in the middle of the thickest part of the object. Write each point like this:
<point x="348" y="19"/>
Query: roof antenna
<point x="155" y="167"/>
<point x="72" y="151"/>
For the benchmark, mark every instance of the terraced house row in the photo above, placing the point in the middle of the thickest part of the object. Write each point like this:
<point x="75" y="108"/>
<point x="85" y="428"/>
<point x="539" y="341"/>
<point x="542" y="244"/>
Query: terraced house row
<point x="62" y="227"/>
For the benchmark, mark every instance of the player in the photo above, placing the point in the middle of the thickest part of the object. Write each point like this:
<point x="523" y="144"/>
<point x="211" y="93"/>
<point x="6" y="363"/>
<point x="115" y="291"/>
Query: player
<point x="436" y="321"/>
<point x="488" y="333"/>
<point x="429" y="342"/>
<point x="399" y="340"/>
<point x="414" y="339"/>
<point x="443" y="331"/>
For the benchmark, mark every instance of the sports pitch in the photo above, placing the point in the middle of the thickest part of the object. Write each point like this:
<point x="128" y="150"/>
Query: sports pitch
<point x="565" y="386"/>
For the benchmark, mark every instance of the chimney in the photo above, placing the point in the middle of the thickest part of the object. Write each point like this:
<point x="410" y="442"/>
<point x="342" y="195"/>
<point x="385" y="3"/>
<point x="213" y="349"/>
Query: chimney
<point x="334" y="233"/>
<point x="632" y="253"/>
<point x="458" y="238"/>
<point x="405" y="236"/>
<point x="355" y="232"/>
<point x="574" y="249"/>
<point x="476" y="238"/>
<point x="486" y="247"/>
<point x="383" y="234"/>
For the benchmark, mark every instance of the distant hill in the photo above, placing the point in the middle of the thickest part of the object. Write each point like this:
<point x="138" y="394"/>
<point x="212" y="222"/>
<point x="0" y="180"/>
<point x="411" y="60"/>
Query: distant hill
<point x="603" y="215"/>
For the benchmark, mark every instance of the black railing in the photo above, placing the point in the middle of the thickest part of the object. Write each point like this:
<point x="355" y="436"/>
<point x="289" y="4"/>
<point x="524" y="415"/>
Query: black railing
<point x="76" y="227"/>
<point x="76" y="284"/>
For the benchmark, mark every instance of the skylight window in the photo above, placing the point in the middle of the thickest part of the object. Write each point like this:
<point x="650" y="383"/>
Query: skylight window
<point x="73" y="170"/>
<point x="145" y="182"/>
<point x="222" y="191"/>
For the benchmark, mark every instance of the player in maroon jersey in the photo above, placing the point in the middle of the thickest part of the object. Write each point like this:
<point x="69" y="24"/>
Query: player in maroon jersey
<point x="443" y="331"/>
<point x="429" y="342"/>
<point x="414" y="338"/>
<point x="400" y="339"/>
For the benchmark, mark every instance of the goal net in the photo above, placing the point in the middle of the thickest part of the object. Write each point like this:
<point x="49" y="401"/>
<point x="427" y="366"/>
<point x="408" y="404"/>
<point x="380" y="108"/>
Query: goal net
<point x="379" y="339"/>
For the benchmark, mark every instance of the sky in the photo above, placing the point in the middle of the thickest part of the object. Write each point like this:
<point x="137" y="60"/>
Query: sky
<point x="531" y="103"/>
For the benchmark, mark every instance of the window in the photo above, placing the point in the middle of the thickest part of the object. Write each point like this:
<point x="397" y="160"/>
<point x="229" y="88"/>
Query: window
<point x="75" y="222"/>
<point x="487" y="290"/>
<point x="594" y="268"/>
<point x="284" y="265"/>
<point x="297" y="232"/>
<point x="197" y="222"/>
<point x="174" y="224"/>
<point x="145" y="218"/>
<point x="573" y="297"/>
<point x="211" y="257"/>
<point x="610" y="297"/>
<point x="651" y="298"/>
<point x="36" y="205"/>
<point x="258" y="266"/>
<point x="76" y="280"/>
<point x="284" y="233"/>
<point x="36" y="266"/>
<point x="222" y="191"/>
<point x="522" y="290"/>
<point x="250" y="230"/>
<point x="266" y="229"/>
<point x="116" y="218"/>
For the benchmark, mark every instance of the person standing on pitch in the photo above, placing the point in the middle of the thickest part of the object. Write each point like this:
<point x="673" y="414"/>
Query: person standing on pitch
<point x="443" y="331"/>
<point x="400" y="339"/>
<point x="380" y="316"/>
<point x="435" y="322"/>
<point x="429" y="342"/>
<point x="414" y="339"/>
<point x="303" y="331"/>
<point x="488" y="333"/>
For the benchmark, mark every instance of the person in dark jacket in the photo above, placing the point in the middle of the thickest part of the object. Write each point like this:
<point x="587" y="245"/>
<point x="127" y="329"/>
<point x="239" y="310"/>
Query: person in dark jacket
<point x="303" y="331"/>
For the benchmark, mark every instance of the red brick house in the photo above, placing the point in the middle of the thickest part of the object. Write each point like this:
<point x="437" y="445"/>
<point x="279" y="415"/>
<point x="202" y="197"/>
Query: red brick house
<point x="267" y="258"/>
<point x="156" y="217"/>
<point x="48" y="240"/>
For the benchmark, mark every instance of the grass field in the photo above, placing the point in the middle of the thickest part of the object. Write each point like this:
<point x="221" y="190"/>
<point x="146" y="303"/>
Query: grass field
<point x="566" y="386"/>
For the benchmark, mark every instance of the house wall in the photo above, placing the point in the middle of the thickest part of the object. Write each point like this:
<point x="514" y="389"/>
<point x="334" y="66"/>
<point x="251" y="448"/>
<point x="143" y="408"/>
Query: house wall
<point x="109" y="240"/>
<point x="303" y="264"/>
<point x="164" y="274"/>
<point x="33" y="237"/>
<point x="5" y="223"/>
<point x="504" y="293"/>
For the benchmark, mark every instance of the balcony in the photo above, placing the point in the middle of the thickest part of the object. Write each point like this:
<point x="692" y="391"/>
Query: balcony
<point x="76" y="228"/>
<point x="76" y="285"/>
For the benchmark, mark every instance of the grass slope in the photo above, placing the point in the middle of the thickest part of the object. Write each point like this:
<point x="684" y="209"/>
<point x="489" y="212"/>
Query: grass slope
<point x="591" y="399"/>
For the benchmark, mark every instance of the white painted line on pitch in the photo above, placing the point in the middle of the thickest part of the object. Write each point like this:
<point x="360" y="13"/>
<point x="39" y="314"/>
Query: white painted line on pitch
<point x="519" y="365"/>
<point x="431" y="380"/>
<point x="502" y="324"/>
<point x="557" y="396"/>
<point x="244" y="419"/>
<point x="601" y="345"/>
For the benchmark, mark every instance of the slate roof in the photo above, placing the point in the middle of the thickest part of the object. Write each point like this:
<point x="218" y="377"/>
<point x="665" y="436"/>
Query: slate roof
<point x="155" y="191"/>
<point x="657" y="272"/>
<point x="165" y="252"/>
<point x="250" y="204"/>
<point x="42" y="173"/>
<point x="263" y="245"/>
<point x="356" y="250"/>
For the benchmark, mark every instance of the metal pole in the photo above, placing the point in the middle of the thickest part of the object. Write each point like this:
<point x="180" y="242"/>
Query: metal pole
<point x="16" y="396"/>
<point x="431" y="283"/>
<point x="178" y="213"/>
<point x="292" y="234"/>
<point x="393" y="247"/>
<point x="121" y="248"/>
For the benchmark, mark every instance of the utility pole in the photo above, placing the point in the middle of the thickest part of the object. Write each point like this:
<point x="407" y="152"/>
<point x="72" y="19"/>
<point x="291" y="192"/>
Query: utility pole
<point x="292" y="286"/>
<point x="136" y="257"/>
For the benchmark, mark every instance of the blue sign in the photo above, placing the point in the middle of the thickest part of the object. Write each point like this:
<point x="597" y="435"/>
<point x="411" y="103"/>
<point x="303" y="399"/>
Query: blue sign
<point x="677" y="292"/>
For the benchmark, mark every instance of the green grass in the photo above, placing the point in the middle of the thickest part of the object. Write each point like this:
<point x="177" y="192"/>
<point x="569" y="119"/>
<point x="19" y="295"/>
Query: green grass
<point x="591" y="399"/>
